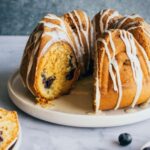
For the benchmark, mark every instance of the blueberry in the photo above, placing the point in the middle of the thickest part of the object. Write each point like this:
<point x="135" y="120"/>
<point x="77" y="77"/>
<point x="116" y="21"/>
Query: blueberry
<point x="47" y="81"/>
<point x="146" y="148"/>
<point x="70" y="75"/>
<point x="1" y="139"/>
<point x="125" y="139"/>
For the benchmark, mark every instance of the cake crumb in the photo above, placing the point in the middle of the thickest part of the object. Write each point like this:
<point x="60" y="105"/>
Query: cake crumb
<point x="44" y="103"/>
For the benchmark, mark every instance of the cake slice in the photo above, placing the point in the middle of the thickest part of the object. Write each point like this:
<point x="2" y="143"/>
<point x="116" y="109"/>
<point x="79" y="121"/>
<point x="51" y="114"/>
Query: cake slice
<point x="122" y="75"/>
<point x="9" y="129"/>
<point x="56" y="55"/>
<point x="122" y="56"/>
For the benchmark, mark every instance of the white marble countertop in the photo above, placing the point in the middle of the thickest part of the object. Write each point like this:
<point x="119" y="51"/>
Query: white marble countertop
<point x="39" y="135"/>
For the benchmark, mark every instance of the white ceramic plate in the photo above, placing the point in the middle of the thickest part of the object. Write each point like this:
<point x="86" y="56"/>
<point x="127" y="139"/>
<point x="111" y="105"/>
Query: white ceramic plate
<point x="74" y="109"/>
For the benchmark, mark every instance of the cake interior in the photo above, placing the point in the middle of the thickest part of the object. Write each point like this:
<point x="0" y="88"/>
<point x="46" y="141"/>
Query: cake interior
<point x="56" y="71"/>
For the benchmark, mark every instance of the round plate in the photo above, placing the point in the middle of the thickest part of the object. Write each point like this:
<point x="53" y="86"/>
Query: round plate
<point x="74" y="109"/>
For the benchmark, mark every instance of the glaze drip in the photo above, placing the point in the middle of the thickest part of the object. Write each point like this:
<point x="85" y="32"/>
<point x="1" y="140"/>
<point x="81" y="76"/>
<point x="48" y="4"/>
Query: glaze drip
<point x="131" y="51"/>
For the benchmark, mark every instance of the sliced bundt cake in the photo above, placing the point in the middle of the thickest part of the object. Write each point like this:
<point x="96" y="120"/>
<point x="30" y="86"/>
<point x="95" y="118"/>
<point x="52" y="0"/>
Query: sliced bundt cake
<point x="57" y="53"/>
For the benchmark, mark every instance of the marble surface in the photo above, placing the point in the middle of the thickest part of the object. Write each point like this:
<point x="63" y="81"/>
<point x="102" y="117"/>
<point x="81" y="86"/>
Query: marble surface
<point x="18" y="17"/>
<point x="39" y="135"/>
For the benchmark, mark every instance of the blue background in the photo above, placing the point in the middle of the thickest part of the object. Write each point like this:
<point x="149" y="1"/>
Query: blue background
<point x="18" y="17"/>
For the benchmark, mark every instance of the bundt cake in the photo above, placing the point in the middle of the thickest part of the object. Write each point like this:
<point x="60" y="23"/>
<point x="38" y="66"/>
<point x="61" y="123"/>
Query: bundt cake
<point x="57" y="53"/>
<point x="9" y="129"/>
<point x="122" y="62"/>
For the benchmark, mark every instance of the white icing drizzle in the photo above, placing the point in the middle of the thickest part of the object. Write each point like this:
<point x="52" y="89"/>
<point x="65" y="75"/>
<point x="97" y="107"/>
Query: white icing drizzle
<point x="56" y="36"/>
<point x="138" y="72"/>
<point x="102" y="14"/>
<point x="110" y="63"/>
<point x="141" y="48"/>
<point x="97" y="89"/>
<point x="131" y="51"/>
<point x="51" y="25"/>
<point x="133" y="27"/>
<point x="121" y="22"/>
<point x="98" y="95"/>
<point x="101" y="20"/>
<point x="60" y="34"/>
<point x="113" y="62"/>
<point x="78" y="46"/>
<point x="79" y="33"/>
<point x="80" y="38"/>
<point x="114" y="14"/>
<point x="80" y="52"/>
<point x="37" y="36"/>
<point x="52" y="17"/>
<point x="130" y="25"/>
<point x="116" y="67"/>
<point x="85" y="32"/>
<point x="145" y="56"/>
